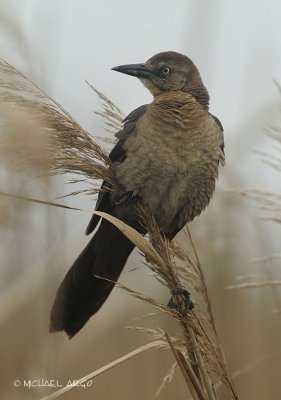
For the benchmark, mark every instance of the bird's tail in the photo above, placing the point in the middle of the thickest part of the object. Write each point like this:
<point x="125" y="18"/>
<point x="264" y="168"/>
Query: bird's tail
<point x="81" y="294"/>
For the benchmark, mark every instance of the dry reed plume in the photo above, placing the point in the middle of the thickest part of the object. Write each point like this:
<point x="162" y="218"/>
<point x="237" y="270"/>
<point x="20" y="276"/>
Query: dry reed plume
<point x="71" y="149"/>
<point x="270" y="204"/>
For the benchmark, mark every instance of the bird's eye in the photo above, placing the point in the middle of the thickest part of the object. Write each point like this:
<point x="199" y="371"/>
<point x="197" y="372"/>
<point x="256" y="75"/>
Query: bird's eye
<point x="165" y="70"/>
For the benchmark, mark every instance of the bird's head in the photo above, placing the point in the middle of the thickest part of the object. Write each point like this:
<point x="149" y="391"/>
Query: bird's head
<point x="169" y="71"/>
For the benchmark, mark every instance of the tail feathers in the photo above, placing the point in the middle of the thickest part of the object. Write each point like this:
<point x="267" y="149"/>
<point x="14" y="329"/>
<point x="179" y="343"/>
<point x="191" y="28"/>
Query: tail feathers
<point x="81" y="294"/>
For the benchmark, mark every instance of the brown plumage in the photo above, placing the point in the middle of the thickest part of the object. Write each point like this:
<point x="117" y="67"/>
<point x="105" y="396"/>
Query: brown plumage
<point x="167" y="158"/>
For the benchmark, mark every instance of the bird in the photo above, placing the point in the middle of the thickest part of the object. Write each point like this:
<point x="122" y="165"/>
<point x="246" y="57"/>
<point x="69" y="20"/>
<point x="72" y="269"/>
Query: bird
<point x="166" y="158"/>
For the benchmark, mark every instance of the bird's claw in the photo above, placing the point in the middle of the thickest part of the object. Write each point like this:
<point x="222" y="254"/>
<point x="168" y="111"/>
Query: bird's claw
<point x="126" y="199"/>
<point x="181" y="301"/>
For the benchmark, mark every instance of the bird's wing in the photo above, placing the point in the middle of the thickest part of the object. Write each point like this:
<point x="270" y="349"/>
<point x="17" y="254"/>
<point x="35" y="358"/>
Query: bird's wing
<point x="117" y="154"/>
<point x="221" y="128"/>
<point x="217" y="121"/>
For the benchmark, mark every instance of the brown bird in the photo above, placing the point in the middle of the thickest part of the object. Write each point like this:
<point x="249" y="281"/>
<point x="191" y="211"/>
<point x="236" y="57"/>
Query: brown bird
<point x="166" y="158"/>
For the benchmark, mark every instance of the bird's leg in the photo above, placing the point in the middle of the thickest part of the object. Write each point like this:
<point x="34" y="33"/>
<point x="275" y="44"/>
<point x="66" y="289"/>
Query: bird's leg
<point x="126" y="199"/>
<point x="181" y="301"/>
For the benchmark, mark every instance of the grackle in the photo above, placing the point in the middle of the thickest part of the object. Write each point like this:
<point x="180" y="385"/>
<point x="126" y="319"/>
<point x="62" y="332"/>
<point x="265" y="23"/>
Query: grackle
<point x="166" y="158"/>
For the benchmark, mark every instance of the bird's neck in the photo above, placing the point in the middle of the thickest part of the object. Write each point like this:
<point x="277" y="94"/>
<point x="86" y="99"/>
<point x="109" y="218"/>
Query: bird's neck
<point x="200" y="94"/>
<point x="195" y="86"/>
<point x="176" y="108"/>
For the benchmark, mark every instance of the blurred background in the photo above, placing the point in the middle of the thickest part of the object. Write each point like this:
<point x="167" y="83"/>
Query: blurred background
<point x="59" y="44"/>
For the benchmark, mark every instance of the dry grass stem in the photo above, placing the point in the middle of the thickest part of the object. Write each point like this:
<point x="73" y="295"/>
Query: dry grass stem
<point x="136" y="238"/>
<point x="254" y="285"/>
<point x="249" y="367"/>
<point x="142" y="297"/>
<point x="255" y="363"/>
<point x="44" y="202"/>
<point x="167" y="379"/>
<point x="162" y="263"/>
<point x="160" y="334"/>
<point x="187" y="372"/>
<point x="102" y="370"/>
<point x="257" y="260"/>
<point x="201" y="366"/>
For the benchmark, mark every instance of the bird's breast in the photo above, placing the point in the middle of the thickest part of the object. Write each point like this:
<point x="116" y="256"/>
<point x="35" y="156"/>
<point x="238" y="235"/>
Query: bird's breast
<point x="172" y="162"/>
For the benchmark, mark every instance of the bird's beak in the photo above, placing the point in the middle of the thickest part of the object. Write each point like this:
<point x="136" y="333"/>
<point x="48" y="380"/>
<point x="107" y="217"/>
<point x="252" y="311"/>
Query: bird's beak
<point x="138" y="70"/>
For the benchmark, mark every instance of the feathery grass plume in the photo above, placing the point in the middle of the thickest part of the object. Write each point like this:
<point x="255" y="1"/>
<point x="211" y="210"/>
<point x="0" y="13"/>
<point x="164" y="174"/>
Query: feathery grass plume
<point x="161" y="260"/>
<point x="270" y="204"/>
<point x="71" y="149"/>
<point x="202" y="324"/>
<point x="110" y="113"/>
<point x="268" y="201"/>
<point x="22" y="148"/>
<point x="22" y="158"/>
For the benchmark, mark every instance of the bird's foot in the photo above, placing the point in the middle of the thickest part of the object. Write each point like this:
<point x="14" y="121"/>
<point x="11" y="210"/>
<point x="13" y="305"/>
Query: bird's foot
<point x="126" y="199"/>
<point x="181" y="301"/>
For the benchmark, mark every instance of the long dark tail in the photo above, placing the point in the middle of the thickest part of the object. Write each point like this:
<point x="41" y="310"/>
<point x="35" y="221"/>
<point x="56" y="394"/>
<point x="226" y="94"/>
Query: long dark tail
<point x="81" y="294"/>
